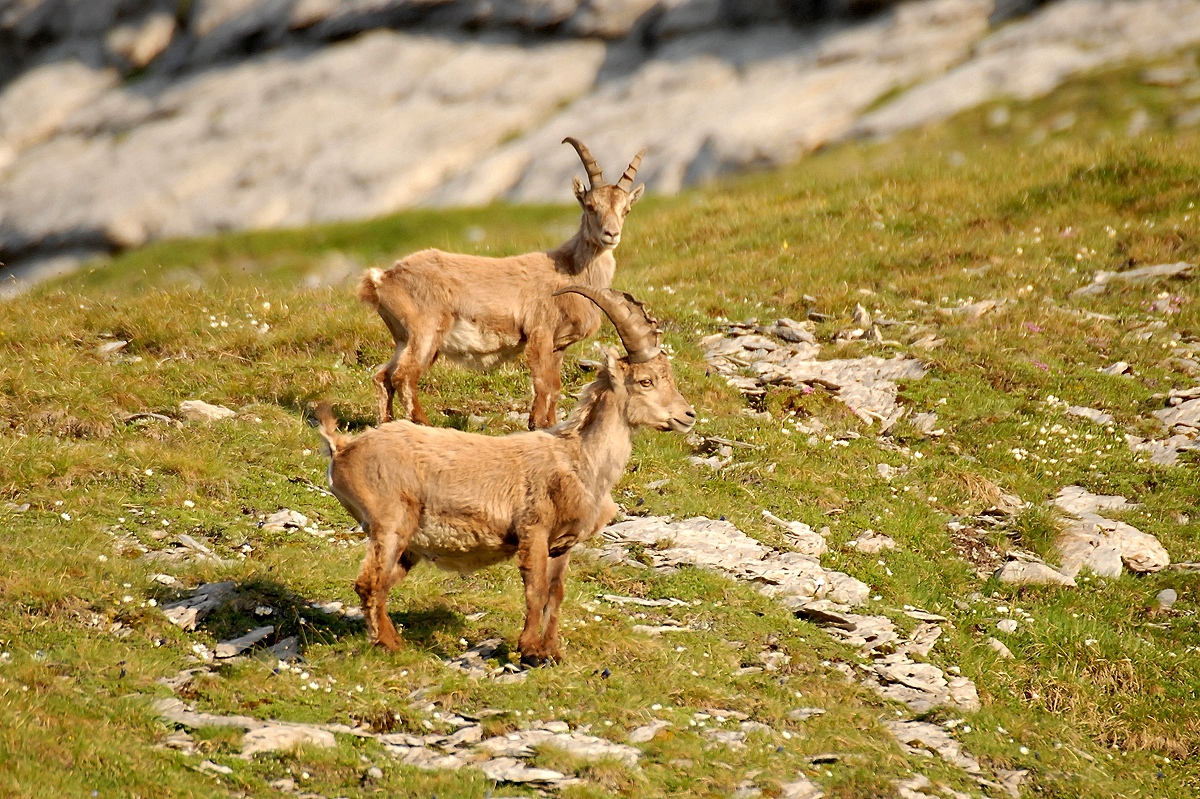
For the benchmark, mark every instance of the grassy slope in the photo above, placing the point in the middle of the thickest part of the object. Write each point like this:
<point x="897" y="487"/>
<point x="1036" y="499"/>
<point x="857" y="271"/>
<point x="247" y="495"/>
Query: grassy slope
<point x="929" y="220"/>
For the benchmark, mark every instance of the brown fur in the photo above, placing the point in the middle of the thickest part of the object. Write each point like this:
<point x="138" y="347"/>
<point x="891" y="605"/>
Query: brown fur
<point x="465" y="501"/>
<point x="481" y="312"/>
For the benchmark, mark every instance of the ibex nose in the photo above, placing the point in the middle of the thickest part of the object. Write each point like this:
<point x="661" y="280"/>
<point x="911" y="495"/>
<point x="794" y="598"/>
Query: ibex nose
<point x="691" y="414"/>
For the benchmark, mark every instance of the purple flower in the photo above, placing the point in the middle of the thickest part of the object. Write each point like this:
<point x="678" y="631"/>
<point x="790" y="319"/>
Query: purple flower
<point x="1041" y="366"/>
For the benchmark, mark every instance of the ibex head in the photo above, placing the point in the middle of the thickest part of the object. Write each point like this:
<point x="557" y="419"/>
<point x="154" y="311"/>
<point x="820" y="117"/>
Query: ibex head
<point x="642" y="380"/>
<point x="605" y="206"/>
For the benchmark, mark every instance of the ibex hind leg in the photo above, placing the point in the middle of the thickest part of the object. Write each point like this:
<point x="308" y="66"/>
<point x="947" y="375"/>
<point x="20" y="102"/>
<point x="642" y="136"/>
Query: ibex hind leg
<point x="413" y="361"/>
<point x="385" y="565"/>
<point x="385" y="391"/>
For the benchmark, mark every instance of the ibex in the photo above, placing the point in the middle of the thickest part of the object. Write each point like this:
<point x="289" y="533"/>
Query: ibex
<point x="481" y="312"/>
<point x="463" y="501"/>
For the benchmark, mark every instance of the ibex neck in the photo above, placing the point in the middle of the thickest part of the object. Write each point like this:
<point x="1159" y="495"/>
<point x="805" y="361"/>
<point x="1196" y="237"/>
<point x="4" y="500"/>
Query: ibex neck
<point x="606" y="442"/>
<point x="586" y="262"/>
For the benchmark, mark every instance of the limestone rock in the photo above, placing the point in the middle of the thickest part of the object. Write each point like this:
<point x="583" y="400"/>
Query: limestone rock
<point x="647" y="732"/>
<point x="236" y="646"/>
<point x="35" y="105"/>
<point x="870" y="542"/>
<point x="140" y="44"/>
<point x="1017" y="572"/>
<point x="277" y="737"/>
<point x="188" y="612"/>
<point x="1141" y="275"/>
<point x="201" y="411"/>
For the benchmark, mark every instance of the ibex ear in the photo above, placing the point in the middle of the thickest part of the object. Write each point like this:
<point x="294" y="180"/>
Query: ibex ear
<point x="636" y="194"/>
<point x="580" y="189"/>
<point x="613" y="365"/>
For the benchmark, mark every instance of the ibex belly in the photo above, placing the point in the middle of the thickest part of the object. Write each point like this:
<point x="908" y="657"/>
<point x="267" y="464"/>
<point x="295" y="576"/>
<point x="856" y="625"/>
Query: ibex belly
<point x="467" y="344"/>
<point x="458" y="548"/>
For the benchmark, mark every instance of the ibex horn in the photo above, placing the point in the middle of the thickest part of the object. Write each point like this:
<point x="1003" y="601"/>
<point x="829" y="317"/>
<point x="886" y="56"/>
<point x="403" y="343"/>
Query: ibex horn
<point x="626" y="181"/>
<point x="595" y="176"/>
<point x="637" y="329"/>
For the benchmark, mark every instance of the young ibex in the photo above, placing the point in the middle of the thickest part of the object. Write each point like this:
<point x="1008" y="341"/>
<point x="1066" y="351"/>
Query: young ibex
<point x="464" y="501"/>
<point x="481" y="312"/>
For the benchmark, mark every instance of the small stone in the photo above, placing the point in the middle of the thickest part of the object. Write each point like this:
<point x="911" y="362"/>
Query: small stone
<point x="1017" y="572"/>
<point x="375" y="773"/>
<point x="1007" y="625"/>
<point x="647" y="732"/>
<point x="1115" y="369"/>
<point x="201" y="411"/>
<point x="1003" y="651"/>
<point x="276" y="737"/>
<point x="1166" y="598"/>
<point x="805" y="713"/>
<point x="216" y="768"/>
<point x="870" y="542"/>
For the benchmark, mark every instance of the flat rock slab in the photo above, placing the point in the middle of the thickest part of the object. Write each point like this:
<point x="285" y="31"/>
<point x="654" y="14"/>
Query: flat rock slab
<point x="1142" y="275"/>
<point x="866" y="385"/>
<point x="188" y="612"/>
<point x="282" y="737"/>
<point x="236" y="646"/>
<point x="201" y="411"/>
<point x="921" y="736"/>
<point x="722" y="547"/>
<point x="1093" y="541"/>
<point x="1018" y="572"/>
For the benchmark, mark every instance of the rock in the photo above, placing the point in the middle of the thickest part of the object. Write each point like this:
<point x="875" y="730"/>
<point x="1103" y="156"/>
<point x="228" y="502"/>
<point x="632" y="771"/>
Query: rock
<point x="201" y="411"/>
<point x="800" y="536"/>
<point x="735" y="740"/>
<point x="1099" y="417"/>
<point x="216" y="768"/>
<point x="722" y="547"/>
<point x="963" y="694"/>
<point x="1182" y="418"/>
<point x="921" y="735"/>
<point x="1017" y="572"/>
<point x="870" y="542"/>
<point x="1010" y="781"/>
<point x="800" y="788"/>
<point x="1115" y="369"/>
<point x="283" y="520"/>
<point x="188" y="612"/>
<point x="805" y="713"/>
<point x="647" y="732"/>
<point x="921" y="641"/>
<point x="1165" y="598"/>
<point x="140" y="44"/>
<point x="1139" y="276"/>
<point x="34" y="107"/>
<point x="1080" y="547"/>
<point x="1030" y="57"/>
<point x="1007" y="625"/>
<point x="287" y="650"/>
<point x="236" y="646"/>
<point x="375" y="773"/>
<point x="1078" y="500"/>
<point x="277" y="737"/>
<point x="1003" y="651"/>
<point x="507" y="769"/>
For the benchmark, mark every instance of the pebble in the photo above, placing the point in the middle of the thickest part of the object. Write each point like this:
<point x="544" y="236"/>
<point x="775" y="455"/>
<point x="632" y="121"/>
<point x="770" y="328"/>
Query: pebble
<point x="1007" y="625"/>
<point x="1166" y="598"/>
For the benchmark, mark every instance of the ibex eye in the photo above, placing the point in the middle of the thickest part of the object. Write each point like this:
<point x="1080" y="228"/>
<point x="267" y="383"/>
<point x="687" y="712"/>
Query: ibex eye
<point x="646" y="383"/>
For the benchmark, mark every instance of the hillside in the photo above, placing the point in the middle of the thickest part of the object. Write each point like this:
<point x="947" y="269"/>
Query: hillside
<point x="965" y="244"/>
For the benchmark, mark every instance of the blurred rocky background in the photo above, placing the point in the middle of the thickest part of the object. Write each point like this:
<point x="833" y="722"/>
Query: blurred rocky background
<point x="123" y="121"/>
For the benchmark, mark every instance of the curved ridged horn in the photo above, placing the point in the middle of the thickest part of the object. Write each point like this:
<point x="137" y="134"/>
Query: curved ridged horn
<point x="595" y="176"/>
<point x="637" y="329"/>
<point x="626" y="181"/>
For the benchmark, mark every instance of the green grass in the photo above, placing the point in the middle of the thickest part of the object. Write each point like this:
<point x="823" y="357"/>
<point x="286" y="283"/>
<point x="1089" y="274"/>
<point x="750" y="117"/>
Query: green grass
<point x="1100" y="693"/>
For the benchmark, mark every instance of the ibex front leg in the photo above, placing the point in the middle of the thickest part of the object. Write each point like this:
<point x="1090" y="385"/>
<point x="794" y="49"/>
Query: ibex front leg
<point x="532" y="558"/>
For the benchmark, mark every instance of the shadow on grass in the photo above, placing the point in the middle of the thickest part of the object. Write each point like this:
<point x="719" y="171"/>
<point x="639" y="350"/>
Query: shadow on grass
<point x="258" y="603"/>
